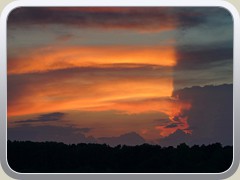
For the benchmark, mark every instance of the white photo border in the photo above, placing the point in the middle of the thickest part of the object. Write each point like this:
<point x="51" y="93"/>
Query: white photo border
<point x="119" y="3"/>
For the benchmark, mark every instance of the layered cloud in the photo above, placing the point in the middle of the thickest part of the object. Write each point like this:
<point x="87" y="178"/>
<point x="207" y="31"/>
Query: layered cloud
<point x="137" y="19"/>
<point x="85" y="91"/>
<point x="201" y="57"/>
<point x="56" y="116"/>
<point x="54" y="58"/>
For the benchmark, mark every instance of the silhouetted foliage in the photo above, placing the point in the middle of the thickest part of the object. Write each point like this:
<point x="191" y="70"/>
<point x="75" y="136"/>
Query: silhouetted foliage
<point x="52" y="157"/>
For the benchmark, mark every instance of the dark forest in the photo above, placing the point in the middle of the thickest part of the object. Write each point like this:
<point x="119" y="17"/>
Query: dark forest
<point x="53" y="157"/>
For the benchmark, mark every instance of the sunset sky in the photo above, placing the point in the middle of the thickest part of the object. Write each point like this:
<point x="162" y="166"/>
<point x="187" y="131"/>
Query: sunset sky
<point x="80" y="74"/>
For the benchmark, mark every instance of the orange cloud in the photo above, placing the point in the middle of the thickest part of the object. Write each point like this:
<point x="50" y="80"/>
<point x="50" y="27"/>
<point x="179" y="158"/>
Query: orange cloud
<point x="182" y="124"/>
<point x="168" y="106"/>
<point x="94" y="95"/>
<point x="55" y="58"/>
<point x="78" y="87"/>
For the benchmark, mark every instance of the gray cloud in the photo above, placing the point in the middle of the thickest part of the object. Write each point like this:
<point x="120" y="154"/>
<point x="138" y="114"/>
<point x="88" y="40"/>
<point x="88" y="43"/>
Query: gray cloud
<point x="66" y="135"/>
<point x="56" y="116"/>
<point x="204" y="64"/>
<point x="201" y="57"/>
<point x="210" y="118"/>
<point x="153" y="19"/>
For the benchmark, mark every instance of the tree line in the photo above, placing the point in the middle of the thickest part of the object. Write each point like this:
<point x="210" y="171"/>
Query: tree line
<point x="54" y="157"/>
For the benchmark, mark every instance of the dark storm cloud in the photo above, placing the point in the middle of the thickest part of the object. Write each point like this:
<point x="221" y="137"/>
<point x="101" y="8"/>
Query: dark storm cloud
<point x="143" y="19"/>
<point x="66" y="135"/>
<point x="56" y="116"/>
<point x="199" y="57"/>
<point x="210" y="43"/>
<point x="210" y="118"/>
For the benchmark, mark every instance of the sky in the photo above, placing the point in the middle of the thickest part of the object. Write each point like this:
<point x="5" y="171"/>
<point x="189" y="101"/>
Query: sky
<point x="120" y="75"/>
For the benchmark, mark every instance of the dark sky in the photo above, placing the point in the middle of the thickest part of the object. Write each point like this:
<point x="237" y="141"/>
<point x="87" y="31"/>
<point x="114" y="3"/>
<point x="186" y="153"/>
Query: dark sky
<point x="159" y="75"/>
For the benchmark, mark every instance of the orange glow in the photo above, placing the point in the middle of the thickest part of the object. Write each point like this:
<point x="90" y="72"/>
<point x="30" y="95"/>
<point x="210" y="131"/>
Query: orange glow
<point x="163" y="131"/>
<point x="125" y="96"/>
<point x="92" y="92"/>
<point x="167" y="106"/>
<point x="100" y="95"/>
<point x="125" y="83"/>
<point x="55" y="58"/>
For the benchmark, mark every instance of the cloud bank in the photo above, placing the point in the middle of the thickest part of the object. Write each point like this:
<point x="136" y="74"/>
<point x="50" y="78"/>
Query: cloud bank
<point x="210" y="118"/>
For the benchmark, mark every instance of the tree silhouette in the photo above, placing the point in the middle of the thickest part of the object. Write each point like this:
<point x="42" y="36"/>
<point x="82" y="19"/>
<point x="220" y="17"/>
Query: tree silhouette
<point x="52" y="157"/>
